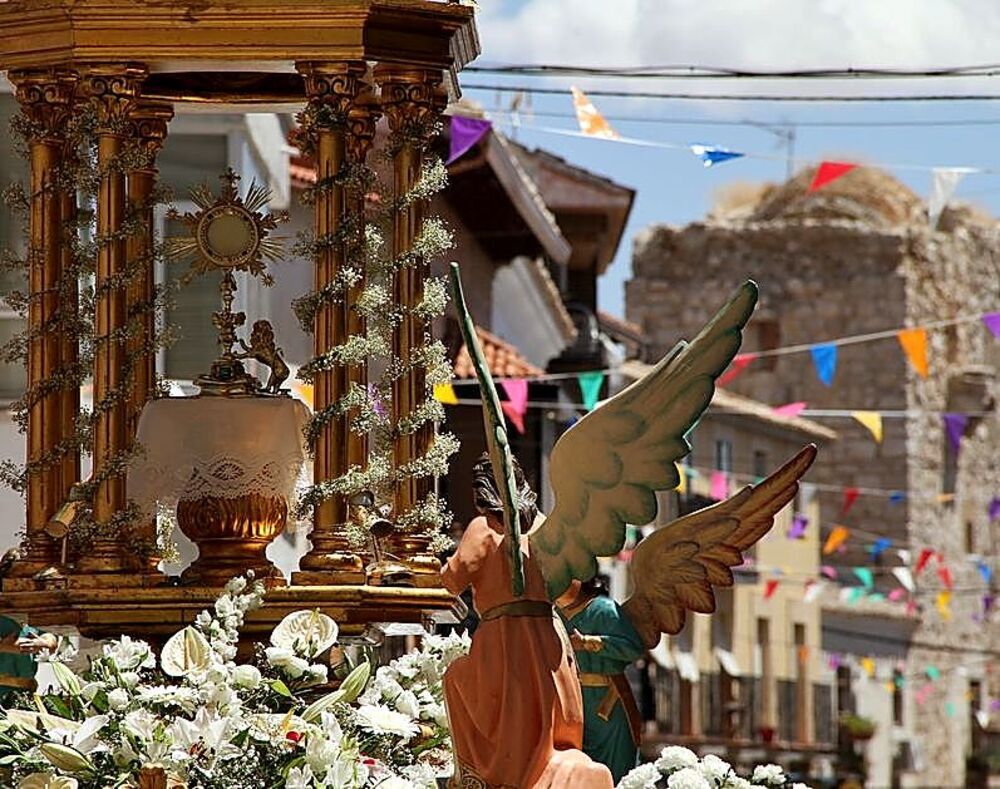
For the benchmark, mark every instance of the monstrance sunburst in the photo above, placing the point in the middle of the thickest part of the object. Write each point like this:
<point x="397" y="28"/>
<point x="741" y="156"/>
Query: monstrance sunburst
<point x="228" y="233"/>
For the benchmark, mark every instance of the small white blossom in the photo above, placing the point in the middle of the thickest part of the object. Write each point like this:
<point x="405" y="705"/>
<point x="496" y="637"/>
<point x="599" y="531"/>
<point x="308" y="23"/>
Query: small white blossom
<point x="118" y="699"/>
<point x="688" y="778"/>
<point x="644" y="776"/>
<point x="736" y="782"/>
<point x="406" y="702"/>
<point x="674" y="757"/>
<point x="714" y="767"/>
<point x="246" y="677"/>
<point x="770" y="774"/>
<point x="287" y="661"/>
<point x="127" y="653"/>
<point x="299" y="778"/>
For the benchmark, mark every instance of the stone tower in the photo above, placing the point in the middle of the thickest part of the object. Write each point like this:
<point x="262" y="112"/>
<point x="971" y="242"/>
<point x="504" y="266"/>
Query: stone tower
<point x="857" y="257"/>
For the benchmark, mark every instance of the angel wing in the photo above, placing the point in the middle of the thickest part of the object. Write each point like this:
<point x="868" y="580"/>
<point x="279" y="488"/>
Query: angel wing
<point x="605" y="470"/>
<point x="675" y="568"/>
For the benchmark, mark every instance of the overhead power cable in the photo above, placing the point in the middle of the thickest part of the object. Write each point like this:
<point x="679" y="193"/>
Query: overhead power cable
<point x="634" y="94"/>
<point x="684" y="71"/>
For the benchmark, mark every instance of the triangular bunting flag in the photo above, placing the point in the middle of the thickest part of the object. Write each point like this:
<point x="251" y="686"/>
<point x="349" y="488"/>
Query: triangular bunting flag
<point x="798" y="528"/>
<point x="829" y="572"/>
<point x="590" y="387"/>
<point x="954" y="428"/>
<point x="445" y="393"/>
<point x="712" y="155"/>
<point x="769" y="586"/>
<point x="879" y="546"/>
<point x="943" y="604"/>
<point x="866" y="576"/>
<point x="829" y="171"/>
<point x="592" y="123"/>
<point x="740" y="362"/>
<point x="838" y="536"/>
<point x="850" y="496"/>
<point x="926" y="554"/>
<point x="789" y="410"/>
<point x="868" y="665"/>
<point x="719" y="485"/>
<point x="813" y="590"/>
<point x="825" y="358"/>
<point x="516" y="404"/>
<point x="914" y="342"/>
<point x="944" y="573"/>
<point x="465" y="132"/>
<point x="904" y="576"/>
<point x="944" y="182"/>
<point x="992" y="322"/>
<point x="872" y="420"/>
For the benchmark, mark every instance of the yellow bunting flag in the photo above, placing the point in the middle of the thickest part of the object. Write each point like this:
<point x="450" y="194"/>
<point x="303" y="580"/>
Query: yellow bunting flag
<point x="682" y="485"/>
<point x="868" y="665"/>
<point x="871" y="420"/>
<point x="445" y="393"/>
<point x="943" y="603"/>
<point x="944" y="498"/>
<point x="914" y="342"/>
<point x="837" y="538"/>
<point x="591" y="122"/>
<point x="890" y="687"/>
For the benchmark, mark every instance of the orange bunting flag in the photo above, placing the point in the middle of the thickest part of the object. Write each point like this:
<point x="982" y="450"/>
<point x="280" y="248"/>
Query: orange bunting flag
<point x="943" y="604"/>
<point x="591" y="122"/>
<point x="445" y="394"/>
<point x="769" y="586"/>
<point x="837" y="538"/>
<point x="872" y="420"/>
<point x="829" y="171"/>
<point x="914" y="342"/>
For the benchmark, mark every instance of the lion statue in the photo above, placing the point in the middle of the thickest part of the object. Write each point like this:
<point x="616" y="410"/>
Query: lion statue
<point x="263" y="350"/>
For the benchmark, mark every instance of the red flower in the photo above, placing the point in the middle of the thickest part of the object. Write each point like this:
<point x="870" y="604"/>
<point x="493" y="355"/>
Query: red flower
<point x="294" y="736"/>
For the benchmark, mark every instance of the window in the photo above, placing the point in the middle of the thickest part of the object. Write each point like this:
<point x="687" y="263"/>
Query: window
<point x="845" y="693"/>
<point x="724" y="455"/>
<point x="801" y="685"/>
<point x="768" y="338"/>
<point x="759" y="463"/>
<point x="897" y="697"/>
<point x="970" y="537"/>
<point x="766" y="673"/>
<point x="823" y="717"/>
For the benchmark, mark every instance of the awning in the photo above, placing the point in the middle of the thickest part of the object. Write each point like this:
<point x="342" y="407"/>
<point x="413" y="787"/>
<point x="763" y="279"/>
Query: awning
<point x="728" y="661"/>
<point x="661" y="653"/>
<point x="687" y="666"/>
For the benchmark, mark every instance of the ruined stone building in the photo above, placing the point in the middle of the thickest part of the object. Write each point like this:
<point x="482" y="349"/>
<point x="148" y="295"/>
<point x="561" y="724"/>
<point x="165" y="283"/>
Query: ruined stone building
<point x="857" y="257"/>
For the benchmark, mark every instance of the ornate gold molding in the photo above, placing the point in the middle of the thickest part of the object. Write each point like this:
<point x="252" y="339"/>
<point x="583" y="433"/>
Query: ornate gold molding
<point x="412" y="100"/>
<point x="113" y="91"/>
<point x="46" y="99"/>
<point x="149" y="121"/>
<point x="331" y="89"/>
<point x="362" y="119"/>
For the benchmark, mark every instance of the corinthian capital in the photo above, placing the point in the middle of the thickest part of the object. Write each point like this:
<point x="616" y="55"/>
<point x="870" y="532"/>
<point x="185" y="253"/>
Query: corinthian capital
<point x="113" y="91"/>
<point x="361" y="121"/>
<point x="331" y="89"/>
<point x="149" y="121"/>
<point x="412" y="100"/>
<point x="46" y="99"/>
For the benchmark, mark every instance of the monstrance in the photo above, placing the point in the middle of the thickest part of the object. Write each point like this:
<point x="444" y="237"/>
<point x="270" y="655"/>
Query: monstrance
<point x="229" y="233"/>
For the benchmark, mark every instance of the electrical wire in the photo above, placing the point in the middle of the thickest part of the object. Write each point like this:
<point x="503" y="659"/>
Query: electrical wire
<point x="624" y="94"/>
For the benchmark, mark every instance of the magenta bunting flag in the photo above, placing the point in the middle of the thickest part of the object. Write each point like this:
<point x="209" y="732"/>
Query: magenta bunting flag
<point x="829" y="572"/>
<point x="465" y="132"/>
<point x="994" y="508"/>
<point x="719" y="485"/>
<point x="992" y="321"/>
<point x="516" y="404"/>
<point x="954" y="428"/>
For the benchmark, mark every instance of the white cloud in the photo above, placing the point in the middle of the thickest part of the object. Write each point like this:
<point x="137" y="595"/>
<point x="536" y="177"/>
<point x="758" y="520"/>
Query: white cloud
<point x="750" y="33"/>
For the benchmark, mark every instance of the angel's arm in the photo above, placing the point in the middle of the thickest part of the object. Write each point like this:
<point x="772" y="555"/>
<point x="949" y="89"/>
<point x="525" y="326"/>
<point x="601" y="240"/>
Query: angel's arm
<point x="476" y="545"/>
<point x="618" y="639"/>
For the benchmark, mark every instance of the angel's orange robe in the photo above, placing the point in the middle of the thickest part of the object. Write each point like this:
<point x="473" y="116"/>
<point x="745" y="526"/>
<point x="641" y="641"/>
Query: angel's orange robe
<point x="514" y="699"/>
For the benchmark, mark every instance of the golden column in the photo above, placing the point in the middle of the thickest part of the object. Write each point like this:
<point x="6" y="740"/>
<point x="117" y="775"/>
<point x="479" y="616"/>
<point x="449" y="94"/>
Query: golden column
<point x="112" y="91"/>
<point x="46" y="99"/>
<point x="331" y="89"/>
<point x="149" y="128"/>
<point x="412" y="100"/>
<point x="361" y="121"/>
<point x="69" y="343"/>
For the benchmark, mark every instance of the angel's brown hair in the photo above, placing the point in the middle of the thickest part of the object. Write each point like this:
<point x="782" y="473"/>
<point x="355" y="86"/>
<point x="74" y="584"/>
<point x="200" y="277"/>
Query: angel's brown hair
<point x="486" y="494"/>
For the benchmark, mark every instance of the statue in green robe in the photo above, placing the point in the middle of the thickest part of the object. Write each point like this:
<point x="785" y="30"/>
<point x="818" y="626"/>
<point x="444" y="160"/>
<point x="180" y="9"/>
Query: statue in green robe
<point x="605" y="643"/>
<point x="18" y="646"/>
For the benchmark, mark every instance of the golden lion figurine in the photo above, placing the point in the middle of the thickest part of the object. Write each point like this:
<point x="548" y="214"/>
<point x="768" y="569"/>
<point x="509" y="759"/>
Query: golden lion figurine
<point x="263" y="350"/>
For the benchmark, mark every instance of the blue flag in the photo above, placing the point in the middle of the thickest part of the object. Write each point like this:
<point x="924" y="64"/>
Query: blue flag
<point x="879" y="546"/>
<point x="825" y="358"/>
<point x="712" y="154"/>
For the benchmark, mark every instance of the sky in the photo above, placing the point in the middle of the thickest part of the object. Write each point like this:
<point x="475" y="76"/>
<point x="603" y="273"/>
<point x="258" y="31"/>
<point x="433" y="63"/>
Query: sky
<point x="672" y="186"/>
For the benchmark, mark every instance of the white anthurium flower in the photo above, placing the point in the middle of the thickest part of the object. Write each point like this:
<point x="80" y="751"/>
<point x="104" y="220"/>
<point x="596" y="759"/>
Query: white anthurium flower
<point x="382" y="720"/>
<point x="48" y="781"/>
<point x="307" y="633"/>
<point x="186" y="652"/>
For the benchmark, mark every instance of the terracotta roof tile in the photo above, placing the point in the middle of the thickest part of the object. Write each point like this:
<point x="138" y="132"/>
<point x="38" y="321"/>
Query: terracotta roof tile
<point x="503" y="359"/>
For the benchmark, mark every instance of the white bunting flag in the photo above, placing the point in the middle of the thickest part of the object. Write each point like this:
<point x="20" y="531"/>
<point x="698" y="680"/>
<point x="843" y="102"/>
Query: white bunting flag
<point x="904" y="576"/>
<point x="592" y="123"/>
<point x="943" y="186"/>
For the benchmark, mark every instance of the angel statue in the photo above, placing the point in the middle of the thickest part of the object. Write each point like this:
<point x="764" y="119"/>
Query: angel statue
<point x="515" y="701"/>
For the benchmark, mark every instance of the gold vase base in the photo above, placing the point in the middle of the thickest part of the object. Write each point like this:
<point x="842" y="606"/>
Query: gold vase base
<point x="334" y="567"/>
<point x="426" y="571"/>
<point x="390" y="573"/>
<point x="156" y="613"/>
<point x="56" y="578"/>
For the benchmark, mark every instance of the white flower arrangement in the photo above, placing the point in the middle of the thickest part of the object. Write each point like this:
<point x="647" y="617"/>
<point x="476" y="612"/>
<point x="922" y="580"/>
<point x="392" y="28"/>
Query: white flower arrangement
<point x="680" y="768"/>
<point x="200" y="720"/>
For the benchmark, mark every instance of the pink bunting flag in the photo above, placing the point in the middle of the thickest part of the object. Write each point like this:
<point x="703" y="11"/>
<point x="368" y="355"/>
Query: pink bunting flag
<point x="719" y="485"/>
<point x="740" y="363"/>
<point x="897" y="594"/>
<point x="829" y="171"/>
<point x="789" y="410"/>
<point x="924" y="693"/>
<point x="516" y="404"/>
<point x="829" y="572"/>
